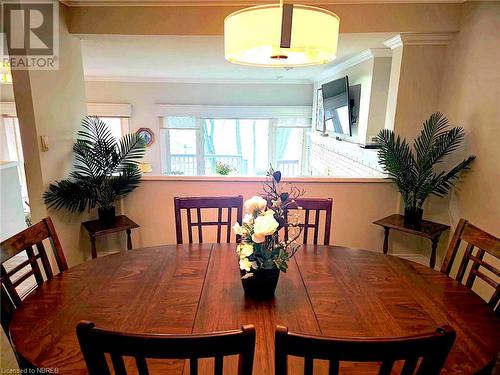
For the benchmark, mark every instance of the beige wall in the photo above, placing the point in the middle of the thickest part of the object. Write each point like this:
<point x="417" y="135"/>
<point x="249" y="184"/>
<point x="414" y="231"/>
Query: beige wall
<point x="470" y="96"/>
<point x="52" y="103"/>
<point x="196" y="20"/>
<point x="144" y="96"/>
<point x="378" y="96"/>
<point x="355" y="206"/>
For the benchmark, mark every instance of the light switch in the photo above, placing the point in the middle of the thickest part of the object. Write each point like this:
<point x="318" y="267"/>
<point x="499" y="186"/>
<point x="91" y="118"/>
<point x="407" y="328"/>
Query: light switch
<point x="45" y="143"/>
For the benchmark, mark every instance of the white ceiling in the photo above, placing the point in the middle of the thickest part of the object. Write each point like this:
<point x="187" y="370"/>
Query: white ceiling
<point x="196" y="58"/>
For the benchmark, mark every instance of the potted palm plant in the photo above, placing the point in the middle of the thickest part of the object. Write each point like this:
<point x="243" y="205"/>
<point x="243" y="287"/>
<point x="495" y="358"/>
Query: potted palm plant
<point x="413" y="171"/>
<point x="105" y="170"/>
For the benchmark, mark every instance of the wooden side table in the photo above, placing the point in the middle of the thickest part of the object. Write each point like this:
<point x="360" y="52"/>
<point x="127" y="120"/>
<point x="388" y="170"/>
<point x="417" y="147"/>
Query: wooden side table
<point x="97" y="229"/>
<point x="428" y="230"/>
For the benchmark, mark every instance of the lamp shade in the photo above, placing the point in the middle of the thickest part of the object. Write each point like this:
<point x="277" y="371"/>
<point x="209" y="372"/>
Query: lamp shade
<point x="253" y="36"/>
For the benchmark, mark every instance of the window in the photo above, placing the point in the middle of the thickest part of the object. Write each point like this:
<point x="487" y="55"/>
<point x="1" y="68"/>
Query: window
<point x="118" y="126"/>
<point x="12" y="150"/>
<point x="202" y="145"/>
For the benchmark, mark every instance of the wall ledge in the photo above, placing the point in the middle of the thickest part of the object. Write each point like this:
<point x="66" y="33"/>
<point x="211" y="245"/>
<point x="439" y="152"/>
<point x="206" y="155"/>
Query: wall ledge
<point x="148" y="177"/>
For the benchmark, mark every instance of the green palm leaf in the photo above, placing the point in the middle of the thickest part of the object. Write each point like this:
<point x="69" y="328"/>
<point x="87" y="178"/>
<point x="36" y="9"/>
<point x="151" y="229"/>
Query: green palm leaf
<point x="414" y="173"/>
<point x="105" y="169"/>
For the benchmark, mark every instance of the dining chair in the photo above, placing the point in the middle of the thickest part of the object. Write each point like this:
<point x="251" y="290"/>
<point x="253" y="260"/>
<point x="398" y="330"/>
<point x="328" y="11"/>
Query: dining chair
<point x="28" y="244"/>
<point x="313" y="206"/>
<point x="198" y="204"/>
<point x="424" y="353"/>
<point x="95" y="343"/>
<point x="485" y="243"/>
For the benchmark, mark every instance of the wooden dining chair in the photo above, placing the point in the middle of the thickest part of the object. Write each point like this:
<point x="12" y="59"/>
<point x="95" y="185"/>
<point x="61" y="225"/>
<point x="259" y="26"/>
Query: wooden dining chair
<point x="485" y="243"/>
<point x="313" y="206"/>
<point x="95" y="343"/>
<point x="424" y="353"/>
<point x="198" y="204"/>
<point x="29" y="242"/>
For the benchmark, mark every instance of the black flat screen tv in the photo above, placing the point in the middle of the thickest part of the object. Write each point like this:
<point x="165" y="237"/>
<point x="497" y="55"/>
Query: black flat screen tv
<point x="336" y="106"/>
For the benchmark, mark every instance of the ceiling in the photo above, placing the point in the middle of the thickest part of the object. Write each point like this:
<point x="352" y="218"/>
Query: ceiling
<point x="197" y="59"/>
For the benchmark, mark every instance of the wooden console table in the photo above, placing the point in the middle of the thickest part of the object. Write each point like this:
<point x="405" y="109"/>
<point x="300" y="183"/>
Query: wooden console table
<point x="97" y="229"/>
<point x="429" y="230"/>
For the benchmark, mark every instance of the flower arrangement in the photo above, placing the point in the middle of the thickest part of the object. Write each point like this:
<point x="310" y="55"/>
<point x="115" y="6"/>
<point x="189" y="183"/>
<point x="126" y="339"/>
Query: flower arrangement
<point x="260" y="247"/>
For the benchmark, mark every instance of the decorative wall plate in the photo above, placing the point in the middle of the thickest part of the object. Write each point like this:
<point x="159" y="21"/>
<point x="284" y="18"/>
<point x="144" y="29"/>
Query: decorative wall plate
<point x="148" y="135"/>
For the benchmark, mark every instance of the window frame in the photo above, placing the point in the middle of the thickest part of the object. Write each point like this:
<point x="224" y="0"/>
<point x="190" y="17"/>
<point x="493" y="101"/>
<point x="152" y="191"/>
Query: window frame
<point x="201" y="113"/>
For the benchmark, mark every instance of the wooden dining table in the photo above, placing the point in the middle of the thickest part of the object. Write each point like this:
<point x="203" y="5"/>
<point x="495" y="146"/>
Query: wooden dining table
<point x="327" y="290"/>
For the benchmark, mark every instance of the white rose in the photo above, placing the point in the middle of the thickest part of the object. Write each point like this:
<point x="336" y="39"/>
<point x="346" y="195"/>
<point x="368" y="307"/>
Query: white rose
<point x="257" y="238"/>
<point x="248" y="218"/>
<point x="269" y="212"/>
<point x="247" y="265"/>
<point x="245" y="250"/>
<point x="238" y="229"/>
<point x="254" y="203"/>
<point x="265" y="225"/>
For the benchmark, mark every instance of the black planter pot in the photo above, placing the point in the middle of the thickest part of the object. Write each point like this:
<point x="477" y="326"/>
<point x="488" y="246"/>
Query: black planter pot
<point x="262" y="284"/>
<point x="413" y="217"/>
<point x="106" y="215"/>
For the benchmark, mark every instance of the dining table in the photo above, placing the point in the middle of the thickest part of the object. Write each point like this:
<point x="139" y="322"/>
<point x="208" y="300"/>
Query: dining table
<point x="196" y="288"/>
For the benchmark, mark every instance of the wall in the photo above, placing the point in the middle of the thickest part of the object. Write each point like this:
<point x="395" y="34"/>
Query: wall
<point x="51" y="103"/>
<point x="355" y="206"/>
<point x="209" y="20"/>
<point x="378" y="97"/>
<point x="144" y="96"/>
<point x="470" y="96"/>
<point x="359" y="74"/>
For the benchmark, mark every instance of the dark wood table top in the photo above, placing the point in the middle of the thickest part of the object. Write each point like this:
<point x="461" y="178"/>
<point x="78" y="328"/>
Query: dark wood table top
<point x="330" y="291"/>
<point x="122" y="222"/>
<point x="429" y="229"/>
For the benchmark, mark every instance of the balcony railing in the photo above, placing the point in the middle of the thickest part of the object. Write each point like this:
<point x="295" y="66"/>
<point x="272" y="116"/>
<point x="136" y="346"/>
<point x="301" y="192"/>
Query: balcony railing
<point x="288" y="167"/>
<point x="186" y="164"/>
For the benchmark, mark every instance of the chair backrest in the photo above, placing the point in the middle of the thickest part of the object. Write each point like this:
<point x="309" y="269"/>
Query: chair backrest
<point x="428" y="352"/>
<point x="25" y="241"/>
<point x="199" y="203"/>
<point x="485" y="243"/>
<point x="95" y="343"/>
<point x="316" y="205"/>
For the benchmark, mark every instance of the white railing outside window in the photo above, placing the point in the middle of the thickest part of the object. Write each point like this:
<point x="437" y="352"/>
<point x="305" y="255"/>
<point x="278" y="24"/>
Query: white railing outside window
<point x="195" y="139"/>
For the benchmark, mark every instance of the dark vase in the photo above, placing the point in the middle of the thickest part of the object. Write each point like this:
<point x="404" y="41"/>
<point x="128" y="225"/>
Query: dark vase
<point x="413" y="217"/>
<point x="106" y="215"/>
<point x="262" y="284"/>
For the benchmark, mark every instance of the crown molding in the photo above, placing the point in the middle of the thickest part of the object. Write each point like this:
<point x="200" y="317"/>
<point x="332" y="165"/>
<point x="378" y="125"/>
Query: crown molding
<point x="353" y="61"/>
<point x="135" y="79"/>
<point x="197" y="3"/>
<point x="419" y="39"/>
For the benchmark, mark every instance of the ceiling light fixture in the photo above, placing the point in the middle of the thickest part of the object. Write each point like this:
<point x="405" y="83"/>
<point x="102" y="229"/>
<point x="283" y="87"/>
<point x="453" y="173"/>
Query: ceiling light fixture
<point x="281" y="35"/>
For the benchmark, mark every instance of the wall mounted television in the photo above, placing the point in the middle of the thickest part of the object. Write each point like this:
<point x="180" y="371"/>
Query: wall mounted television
<point x="337" y="107"/>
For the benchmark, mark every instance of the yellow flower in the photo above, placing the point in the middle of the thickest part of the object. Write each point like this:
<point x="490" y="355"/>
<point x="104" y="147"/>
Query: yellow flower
<point x="245" y="250"/>
<point x="247" y="265"/>
<point x="258" y="239"/>
<point x="254" y="203"/>
<point x="265" y="224"/>
<point x="238" y="229"/>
